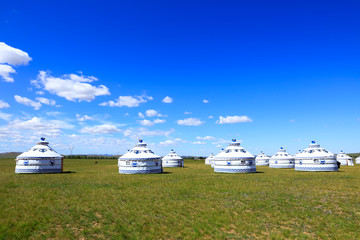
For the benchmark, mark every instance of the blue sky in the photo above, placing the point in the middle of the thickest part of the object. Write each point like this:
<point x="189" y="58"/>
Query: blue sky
<point x="95" y="75"/>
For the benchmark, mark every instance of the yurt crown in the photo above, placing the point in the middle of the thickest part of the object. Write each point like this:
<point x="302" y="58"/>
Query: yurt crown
<point x="313" y="145"/>
<point x="282" y="149"/>
<point x="43" y="142"/>
<point x="141" y="144"/>
<point x="234" y="143"/>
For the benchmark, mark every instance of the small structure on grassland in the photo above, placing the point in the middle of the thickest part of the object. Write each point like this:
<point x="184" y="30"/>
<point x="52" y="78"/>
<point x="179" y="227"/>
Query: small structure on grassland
<point x="344" y="159"/>
<point x="209" y="159"/>
<point x="282" y="159"/>
<point x="39" y="159"/>
<point x="234" y="159"/>
<point x="172" y="160"/>
<point x="140" y="160"/>
<point x="262" y="160"/>
<point x="315" y="159"/>
<point x="358" y="160"/>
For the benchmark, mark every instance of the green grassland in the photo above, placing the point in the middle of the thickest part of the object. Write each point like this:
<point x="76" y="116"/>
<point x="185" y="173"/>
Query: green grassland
<point x="93" y="201"/>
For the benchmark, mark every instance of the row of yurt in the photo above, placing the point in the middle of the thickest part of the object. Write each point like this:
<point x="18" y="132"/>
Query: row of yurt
<point x="313" y="158"/>
<point x="234" y="159"/>
<point x="43" y="159"/>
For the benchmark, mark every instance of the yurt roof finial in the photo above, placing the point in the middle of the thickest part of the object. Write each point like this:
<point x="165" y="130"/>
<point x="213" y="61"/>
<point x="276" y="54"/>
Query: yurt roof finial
<point x="313" y="142"/>
<point x="281" y="148"/>
<point x="42" y="139"/>
<point x="140" y="140"/>
<point x="234" y="140"/>
<point x="172" y="150"/>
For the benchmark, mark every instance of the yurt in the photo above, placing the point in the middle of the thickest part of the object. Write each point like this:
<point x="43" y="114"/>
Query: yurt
<point x="344" y="159"/>
<point x="39" y="159"/>
<point x="209" y="159"/>
<point x="282" y="159"/>
<point x="358" y="160"/>
<point x="315" y="159"/>
<point x="140" y="159"/>
<point x="262" y="160"/>
<point x="234" y="159"/>
<point x="213" y="161"/>
<point x="172" y="160"/>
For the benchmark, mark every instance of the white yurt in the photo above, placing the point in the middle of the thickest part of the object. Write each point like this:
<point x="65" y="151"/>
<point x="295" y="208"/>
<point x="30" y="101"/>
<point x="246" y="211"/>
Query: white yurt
<point x="358" y="160"/>
<point x="209" y="159"/>
<point x="234" y="159"/>
<point x="140" y="160"/>
<point x="213" y="161"/>
<point x="262" y="160"/>
<point x="172" y="160"/>
<point x="295" y="155"/>
<point x="344" y="159"/>
<point x="282" y="159"/>
<point x="315" y="159"/>
<point x="39" y="159"/>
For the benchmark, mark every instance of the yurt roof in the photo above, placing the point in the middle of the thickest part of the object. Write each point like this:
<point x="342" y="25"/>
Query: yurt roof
<point x="343" y="155"/>
<point x="234" y="151"/>
<point x="139" y="152"/>
<point x="40" y="150"/>
<point x="282" y="154"/>
<point x="172" y="155"/>
<point x="262" y="156"/>
<point x="210" y="156"/>
<point x="313" y="151"/>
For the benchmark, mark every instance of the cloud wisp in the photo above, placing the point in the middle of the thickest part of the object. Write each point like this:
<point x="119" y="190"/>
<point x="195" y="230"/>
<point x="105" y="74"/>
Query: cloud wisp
<point x="233" y="119"/>
<point x="190" y="122"/>
<point x="127" y="101"/>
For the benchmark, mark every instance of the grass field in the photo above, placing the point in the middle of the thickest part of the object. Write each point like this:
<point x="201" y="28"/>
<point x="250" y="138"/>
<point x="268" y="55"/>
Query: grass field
<point x="93" y="201"/>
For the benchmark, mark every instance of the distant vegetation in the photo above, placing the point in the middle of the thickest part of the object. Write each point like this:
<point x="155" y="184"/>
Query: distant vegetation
<point x="91" y="200"/>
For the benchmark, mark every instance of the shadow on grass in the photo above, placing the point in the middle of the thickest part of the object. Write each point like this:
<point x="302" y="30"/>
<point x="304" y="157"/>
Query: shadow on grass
<point x="66" y="172"/>
<point x="166" y="173"/>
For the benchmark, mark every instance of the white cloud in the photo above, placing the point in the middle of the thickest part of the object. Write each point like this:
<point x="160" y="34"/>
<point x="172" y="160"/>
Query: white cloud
<point x="27" y="102"/>
<point x="70" y="86"/>
<point x="198" y="142"/>
<point x="40" y="92"/>
<point x="5" y="71"/>
<point x="233" y="119"/>
<point x="190" y="122"/>
<point x="100" y="129"/>
<point x="167" y="99"/>
<point x="187" y="113"/>
<point x="141" y="115"/>
<point x="205" y="138"/>
<point x="146" y="122"/>
<point x="40" y="127"/>
<point x="292" y="121"/>
<point x="5" y="116"/>
<point x="46" y="101"/>
<point x="83" y="118"/>
<point x="210" y="116"/>
<point x="167" y="143"/>
<point x="153" y="113"/>
<point x="127" y="101"/>
<point x="4" y="104"/>
<point x="205" y="101"/>
<point x="11" y="56"/>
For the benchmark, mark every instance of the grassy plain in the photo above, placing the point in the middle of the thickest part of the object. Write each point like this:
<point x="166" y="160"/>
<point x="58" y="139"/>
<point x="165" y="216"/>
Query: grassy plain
<point x="93" y="201"/>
